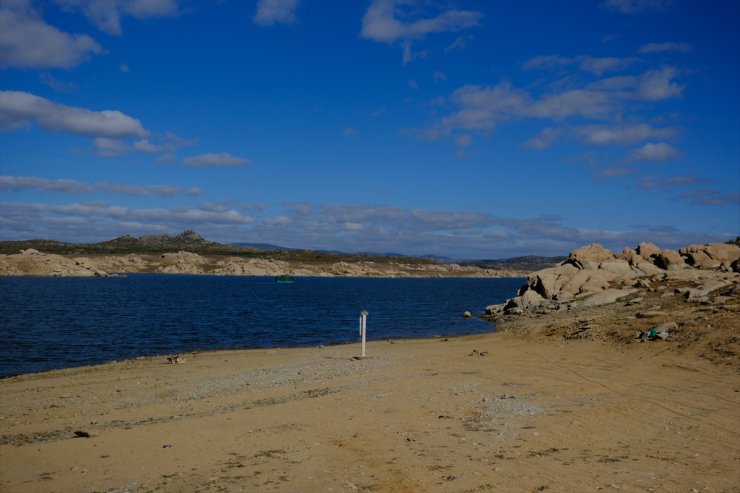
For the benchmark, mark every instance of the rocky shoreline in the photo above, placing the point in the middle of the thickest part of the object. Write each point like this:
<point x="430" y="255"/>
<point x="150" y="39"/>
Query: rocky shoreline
<point x="688" y="299"/>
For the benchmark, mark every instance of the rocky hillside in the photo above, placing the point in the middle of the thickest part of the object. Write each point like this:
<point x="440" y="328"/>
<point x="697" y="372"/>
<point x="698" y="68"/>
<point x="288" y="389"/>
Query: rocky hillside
<point x="688" y="299"/>
<point x="31" y="262"/>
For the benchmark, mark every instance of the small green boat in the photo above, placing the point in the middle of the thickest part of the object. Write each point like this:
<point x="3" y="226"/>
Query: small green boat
<point x="284" y="279"/>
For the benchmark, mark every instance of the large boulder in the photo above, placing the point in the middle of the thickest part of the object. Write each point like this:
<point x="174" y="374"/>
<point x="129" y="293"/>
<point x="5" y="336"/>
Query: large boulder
<point x="647" y="250"/>
<point x="590" y="256"/>
<point x="619" y="268"/>
<point x="586" y="281"/>
<point x="527" y="301"/>
<point x="669" y="260"/>
<point x="548" y="282"/>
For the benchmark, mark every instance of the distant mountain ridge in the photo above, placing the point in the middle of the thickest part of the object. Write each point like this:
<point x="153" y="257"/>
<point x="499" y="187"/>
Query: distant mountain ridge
<point x="191" y="241"/>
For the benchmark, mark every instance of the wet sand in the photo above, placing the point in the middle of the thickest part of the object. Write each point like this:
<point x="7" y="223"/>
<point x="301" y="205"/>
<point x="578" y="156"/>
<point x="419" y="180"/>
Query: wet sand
<point x="493" y="412"/>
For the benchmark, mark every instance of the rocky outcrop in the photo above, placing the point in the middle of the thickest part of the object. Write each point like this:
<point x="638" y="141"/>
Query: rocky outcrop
<point x="181" y="262"/>
<point x="594" y="276"/>
<point x="33" y="263"/>
<point x="711" y="256"/>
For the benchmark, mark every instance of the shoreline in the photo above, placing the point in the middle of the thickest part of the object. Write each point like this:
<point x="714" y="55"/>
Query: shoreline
<point x="487" y="412"/>
<point x="195" y="352"/>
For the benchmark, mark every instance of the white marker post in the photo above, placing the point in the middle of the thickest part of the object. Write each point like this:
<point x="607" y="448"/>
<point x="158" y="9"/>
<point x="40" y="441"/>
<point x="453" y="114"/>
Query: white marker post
<point x="363" y="330"/>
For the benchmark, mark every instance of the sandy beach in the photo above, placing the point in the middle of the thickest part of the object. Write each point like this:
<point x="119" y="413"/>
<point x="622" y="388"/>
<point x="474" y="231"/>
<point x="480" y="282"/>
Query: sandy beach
<point x="494" y="412"/>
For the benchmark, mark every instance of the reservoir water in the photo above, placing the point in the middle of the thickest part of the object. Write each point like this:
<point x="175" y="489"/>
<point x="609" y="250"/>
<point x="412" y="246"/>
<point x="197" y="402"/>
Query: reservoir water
<point x="51" y="323"/>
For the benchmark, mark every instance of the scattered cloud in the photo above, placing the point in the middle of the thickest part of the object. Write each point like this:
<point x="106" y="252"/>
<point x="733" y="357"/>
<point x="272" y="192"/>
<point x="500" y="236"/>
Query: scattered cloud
<point x="612" y="171"/>
<point x="653" y="182"/>
<point x="621" y="134"/>
<point x="637" y="6"/>
<point x="482" y="108"/>
<point x="655" y="152"/>
<point x="349" y="132"/>
<point x="214" y="160"/>
<point x="107" y="14"/>
<point x="164" y="191"/>
<point x="123" y="68"/>
<point x="415" y="231"/>
<point x="17" y="183"/>
<point x="271" y="12"/>
<point x="386" y="21"/>
<point x="26" y="41"/>
<point x="75" y="187"/>
<point x="413" y="85"/>
<point x="56" y="84"/>
<point x="594" y="65"/>
<point x="409" y="55"/>
<point x="439" y="76"/>
<point x="710" y="197"/>
<point x="662" y="47"/>
<point x="545" y="139"/>
<point x="22" y="109"/>
<point x="349" y="228"/>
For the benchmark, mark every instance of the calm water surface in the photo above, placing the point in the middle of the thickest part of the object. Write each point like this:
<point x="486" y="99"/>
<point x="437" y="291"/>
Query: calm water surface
<point x="49" y="323"/>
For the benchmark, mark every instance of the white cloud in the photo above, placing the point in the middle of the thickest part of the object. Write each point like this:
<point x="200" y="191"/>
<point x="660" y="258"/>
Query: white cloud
<point x="381" y="22"/>
<point x="271" y="12"/>
<point x="657" y="84"/>
<point x="22" y="109"/>
<point x="637" y="6"/>
<point x="75" y="187"/>
<point x="343" y="227"/>
<point x="26" y="41"/>
<point x="145" y="146"/>
<point x="621" y="134"/>
<point x="107" y="14"/>
<point x="349" y="132"/>
<point x="655" y="152"/>
<point x="661" y="47"/>
<point x="110" y="147"/>
<point x="215" y="159"/>
<point x="17" y="183"/>
<point x="482" y="108"/>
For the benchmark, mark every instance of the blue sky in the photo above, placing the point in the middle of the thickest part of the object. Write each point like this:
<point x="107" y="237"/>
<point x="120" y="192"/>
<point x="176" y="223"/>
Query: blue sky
<point x="471" y="129"/>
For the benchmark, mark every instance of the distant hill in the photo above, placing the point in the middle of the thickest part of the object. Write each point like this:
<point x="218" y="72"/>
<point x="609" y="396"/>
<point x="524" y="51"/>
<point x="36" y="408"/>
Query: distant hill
<point x="191" y="241"/>
<point x="187" y="240"/>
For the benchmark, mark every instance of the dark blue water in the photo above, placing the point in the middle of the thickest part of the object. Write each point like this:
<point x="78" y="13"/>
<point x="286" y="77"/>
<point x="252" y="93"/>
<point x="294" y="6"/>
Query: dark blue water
<point x="49" y="323"/>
